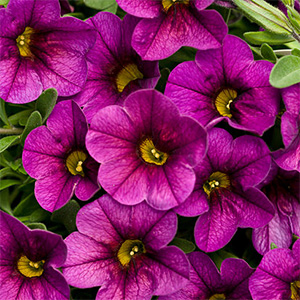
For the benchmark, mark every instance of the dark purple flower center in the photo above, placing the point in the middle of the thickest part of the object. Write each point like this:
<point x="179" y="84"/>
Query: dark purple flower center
<point x="217" y="297"/>
<point x="215" y="181"/>
<point x="167" y="4"/>
<point x="150" y="154"/>
<point x="30" y="268"/>
<point x="295" y="290"/>
<point x="224" y="100"/>
<point x="128" y="73"/>
<point x="129" y="250"/>
<point x="24" y="41"/>
<point x="74" y="162"/>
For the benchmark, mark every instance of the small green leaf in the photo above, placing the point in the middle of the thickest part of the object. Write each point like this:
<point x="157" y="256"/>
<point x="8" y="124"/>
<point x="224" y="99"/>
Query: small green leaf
<point x="260" y="37"/>
<point x="185" y="245"/>
<point x="286" y="72"/>
<point x="5" y="183"/>
<point x="46" y="102"/>
<point x="36" y="226"/>
<point x="273" y="246"/>
<point x="5" y="203"/>
<point x="268" y="53"/>
<point x="20" y="116"/>
<point x="8" y="141"/>
<point x="219" y="256"/>
<point x="296" y="52"/>
<point x="3" y="115"/>
<point x="104" y="5"/>
<point x="39" y="215"/>
<point x="27" y="206"/>
<point x="35" y="120"/>
<point x="67" y="215"/>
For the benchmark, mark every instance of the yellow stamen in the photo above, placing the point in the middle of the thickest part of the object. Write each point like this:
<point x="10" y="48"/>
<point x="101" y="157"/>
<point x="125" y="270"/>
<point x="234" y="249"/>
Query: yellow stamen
<point x="167" y="4"/>
<point x="223" y="101"/>
<point x="30" y="268"/>
<point x="217" y="297"/>
<point x="24" y="41"/>
<point x="150" y="154"/>
<point x="128" y="250"/>
<point x="74" y="162"/>
<point x="127" y="74"/>
<point x="295" y="290"/>
<point x="216" y="180"/>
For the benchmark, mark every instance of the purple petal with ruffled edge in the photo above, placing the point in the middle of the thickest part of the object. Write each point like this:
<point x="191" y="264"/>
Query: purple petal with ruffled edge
<point x="160" y="37"/>
<point x="277" y="269"/>
<point x="117" y="132"/>
<point x="232" y="66"/>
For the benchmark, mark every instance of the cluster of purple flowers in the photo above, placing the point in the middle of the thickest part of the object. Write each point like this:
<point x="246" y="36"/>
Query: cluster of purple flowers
<point x="155" y="155"/>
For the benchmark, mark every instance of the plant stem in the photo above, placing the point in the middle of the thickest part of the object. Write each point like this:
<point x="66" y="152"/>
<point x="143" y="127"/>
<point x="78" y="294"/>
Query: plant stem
<point x="11" y="131"/>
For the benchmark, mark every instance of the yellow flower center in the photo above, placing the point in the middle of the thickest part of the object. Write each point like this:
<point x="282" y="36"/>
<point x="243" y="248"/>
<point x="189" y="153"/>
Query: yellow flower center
<point x="295" y="290"/>
<point x="217" y="297"/>
<point x="24" y="41"/>
<point x="216" y="180"/>
<point x="30" y="268"/>
<point x="150" y="154"/>
<point x="167" y="4"/>
<point x="130" y="249"/>
<point x="127" y="74"/>
<point x="224" y="100"/>
<point x="75" y="162"/>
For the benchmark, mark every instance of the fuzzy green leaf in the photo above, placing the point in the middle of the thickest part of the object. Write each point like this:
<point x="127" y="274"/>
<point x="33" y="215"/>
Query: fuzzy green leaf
<point x="268" y="53"/>
<point x="8" y="141"/>
<point x="260" y="37"/>
<point x="185" y="245"/>
<point x="35" y="120"/>
<point x="46" y="102"/>
<point x="5" y="183"/>
<point x="104" y="5"/>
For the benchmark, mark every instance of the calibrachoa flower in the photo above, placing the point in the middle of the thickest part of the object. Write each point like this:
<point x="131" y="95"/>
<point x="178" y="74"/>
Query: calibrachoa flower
<point x="123" y="249"/>
<point x="28" y="262"/>
<point x="283" y="191"/>
<point x="289" y="158"/>
<point x="114" y="68"/>
<point x="206" y="282"/>
<point x="278" y="275"/>
<point x="169" y="25"/>
<point x="56" y="156"/>
<point x="40" y="50"/>
<point x="146" y="150"/>
<point x="224" y="196"/>
<point x="226" y="83"/>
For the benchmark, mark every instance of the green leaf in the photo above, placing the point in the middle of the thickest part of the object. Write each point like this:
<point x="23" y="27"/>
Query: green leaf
<point x="219" y="256"/>
<point x="5" y="203"/>
<point x="36" y="226"/>
<point x="268" y="53"/>
<point x="265" y="15"/>
<point x="185" y="245"/>
<point x="3" y="115"/>
<point x="39" y="215"/>
<point x="8" y="141"/>
<point x="46" y="102"/>
<point x="273" y="246"/>
<point x="260" y="37"/>
<point x="4" y="2"/>
<point x="20" y="116"/>
<point x="286" y="72"/>
<point x="296" y="52"/>
<point x="104" y="5"/>
<point x="5" y="183"/>
<point x="67" y="215"/>
<point x="27" y="206"/>
<point x="35" y="120"/>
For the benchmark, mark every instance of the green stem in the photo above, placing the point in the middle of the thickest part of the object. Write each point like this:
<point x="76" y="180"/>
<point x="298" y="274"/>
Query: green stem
<point x="228" y="16"/>
<point x="11" y="131"/>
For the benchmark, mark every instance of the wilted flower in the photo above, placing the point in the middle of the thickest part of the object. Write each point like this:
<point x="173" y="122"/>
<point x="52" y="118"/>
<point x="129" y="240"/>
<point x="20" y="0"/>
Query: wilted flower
<point x="56" y="156"/>
<point x="28" y="262"/>
<point x="123" y="250"/>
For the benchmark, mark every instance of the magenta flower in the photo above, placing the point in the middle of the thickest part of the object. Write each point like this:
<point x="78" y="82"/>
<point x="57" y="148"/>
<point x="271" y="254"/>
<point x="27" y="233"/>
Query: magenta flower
<point x="168" y="25"/>
<point x="146" y="150"/>
<point x="226" y="84"/>
<point x="28" y="262"/>
<point x="40" y="50"/>
<point x="123" y="250"/>
<point x="278" y="275"/>
<point x="224" y="195"/>
<point x="56" y="156"/>
<point x="282" y="188"/>
<point x="114" y="68"/>
<point x="289" y="158"/>
<point x="206" y="282"/>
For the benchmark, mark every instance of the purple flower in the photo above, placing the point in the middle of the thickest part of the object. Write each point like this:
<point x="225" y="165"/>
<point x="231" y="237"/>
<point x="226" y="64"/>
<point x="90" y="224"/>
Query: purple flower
<point x="28" y="262"/>
<point x="224" y="196"/>
<point x="123" y="249"/>
<point x="40" y="50"/>
<point x="226" y="84"/>
<point x="114" y="68"/>
<point x="206" y="282"/>
<point x="56" y="156"/>
<point x="282" y="189"/>
<point x="278" y="275"/>
<point x="289" y="158"/>
<point x="169" y="25"/>
<point x="146" y="150"/>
